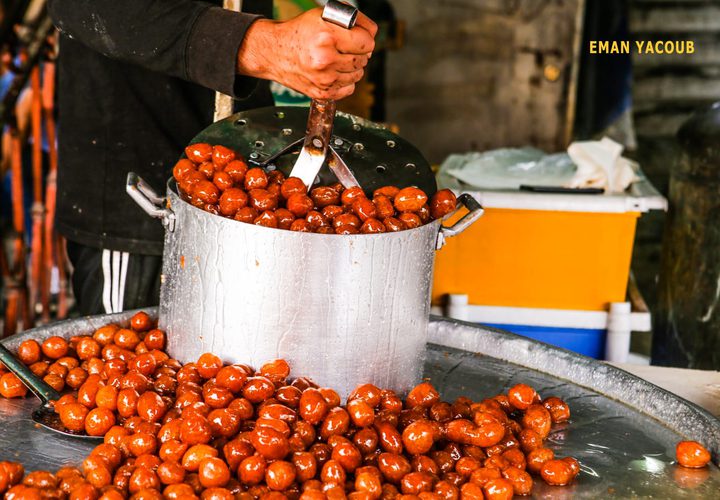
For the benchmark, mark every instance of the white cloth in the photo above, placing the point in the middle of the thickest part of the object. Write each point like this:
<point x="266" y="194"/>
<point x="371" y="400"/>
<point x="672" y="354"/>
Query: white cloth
<point x="601" y="164"/>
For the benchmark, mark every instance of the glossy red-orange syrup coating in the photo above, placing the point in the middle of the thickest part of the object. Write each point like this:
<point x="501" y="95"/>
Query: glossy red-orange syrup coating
<point x="209" y="429"/>
<point x="216" y="179"/>
<point x="692" y="454"/>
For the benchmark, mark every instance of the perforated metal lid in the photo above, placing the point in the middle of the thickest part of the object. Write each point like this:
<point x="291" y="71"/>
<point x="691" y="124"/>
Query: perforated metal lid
<point x="272" y="137"/>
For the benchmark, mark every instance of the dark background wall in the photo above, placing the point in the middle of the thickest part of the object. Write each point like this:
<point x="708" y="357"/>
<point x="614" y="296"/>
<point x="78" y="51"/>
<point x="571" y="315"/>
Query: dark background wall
<point x="666" y="90"/>
<point x="482" y="74"/>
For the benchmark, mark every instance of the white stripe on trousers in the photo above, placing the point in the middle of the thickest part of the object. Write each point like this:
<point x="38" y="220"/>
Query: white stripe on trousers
<point x="123" y="275"/>
<point x="115" y="266"/>
<point x="116" y="281"/>
<point x="107" y="281"/>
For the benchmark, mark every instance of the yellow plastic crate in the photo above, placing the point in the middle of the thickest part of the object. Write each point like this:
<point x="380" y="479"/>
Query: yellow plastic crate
<point x="544" y="250"/>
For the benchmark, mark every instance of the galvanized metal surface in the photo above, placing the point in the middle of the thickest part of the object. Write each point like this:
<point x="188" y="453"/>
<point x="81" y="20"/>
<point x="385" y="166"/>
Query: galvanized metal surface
<point x="252" y="293"/>
<point x="624" y="451"/>
<point x="340" y="14"/>
<point x="320" y="301"/>
<point x="679" y="415"/>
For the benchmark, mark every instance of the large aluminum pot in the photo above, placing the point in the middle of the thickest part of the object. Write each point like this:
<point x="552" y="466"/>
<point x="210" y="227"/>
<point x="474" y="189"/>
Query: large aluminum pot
<point x="341" y="309"/>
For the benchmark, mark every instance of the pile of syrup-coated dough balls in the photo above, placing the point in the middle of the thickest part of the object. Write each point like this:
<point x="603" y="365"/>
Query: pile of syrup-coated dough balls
<point x="217" y="180"/>
<point x="210" y="430"/>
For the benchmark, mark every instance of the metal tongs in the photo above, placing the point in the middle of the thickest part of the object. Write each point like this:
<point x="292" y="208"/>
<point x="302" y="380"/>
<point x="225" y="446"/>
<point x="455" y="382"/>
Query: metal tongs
<point x="316" y="146"/>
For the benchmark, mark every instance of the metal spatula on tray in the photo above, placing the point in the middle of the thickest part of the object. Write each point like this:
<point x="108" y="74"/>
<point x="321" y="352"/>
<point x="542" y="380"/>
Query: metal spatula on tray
<point x="45" y="413"/>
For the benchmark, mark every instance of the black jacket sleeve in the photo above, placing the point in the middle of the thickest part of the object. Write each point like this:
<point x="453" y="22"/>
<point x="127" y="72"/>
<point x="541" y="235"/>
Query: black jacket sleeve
<point x="187" y="39"/>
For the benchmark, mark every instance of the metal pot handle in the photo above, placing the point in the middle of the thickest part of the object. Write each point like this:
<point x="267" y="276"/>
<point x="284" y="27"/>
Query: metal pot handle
<point x="153" y="204"/>
<point x="474" y="213"/>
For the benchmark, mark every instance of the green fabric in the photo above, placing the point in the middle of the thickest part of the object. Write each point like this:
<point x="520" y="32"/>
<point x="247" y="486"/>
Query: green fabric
<point x="282" y="11"/>
<point x="301" y="4"/>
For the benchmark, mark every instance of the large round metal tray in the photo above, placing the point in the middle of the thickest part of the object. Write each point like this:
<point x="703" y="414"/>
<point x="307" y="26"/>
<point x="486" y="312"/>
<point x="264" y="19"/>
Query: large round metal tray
<point x="623" y="429"/>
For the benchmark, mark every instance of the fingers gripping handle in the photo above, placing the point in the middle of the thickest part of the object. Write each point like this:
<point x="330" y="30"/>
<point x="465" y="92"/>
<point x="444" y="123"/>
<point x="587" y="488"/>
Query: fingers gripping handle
<point x="322" y="112"/>
<point x="340" y="14"/>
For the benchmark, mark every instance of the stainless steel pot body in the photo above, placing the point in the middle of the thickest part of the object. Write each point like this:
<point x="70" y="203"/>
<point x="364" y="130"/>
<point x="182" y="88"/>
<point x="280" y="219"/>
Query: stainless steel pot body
<point x="345" y="309"/>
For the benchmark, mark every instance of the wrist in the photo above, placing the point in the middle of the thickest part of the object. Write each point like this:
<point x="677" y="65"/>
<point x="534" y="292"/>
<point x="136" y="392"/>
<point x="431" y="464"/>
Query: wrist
<point x="252" y="58"/>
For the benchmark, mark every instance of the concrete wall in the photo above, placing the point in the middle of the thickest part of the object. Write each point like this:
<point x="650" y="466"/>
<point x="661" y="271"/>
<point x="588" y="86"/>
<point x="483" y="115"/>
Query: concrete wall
<point x="482" y="74"/>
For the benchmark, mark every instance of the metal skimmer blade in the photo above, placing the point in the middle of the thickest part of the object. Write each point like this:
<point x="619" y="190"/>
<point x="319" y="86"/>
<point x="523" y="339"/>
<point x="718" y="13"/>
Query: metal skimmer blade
<point x="46" y="416"/>
<point x="308" y="166"/>
<point x="316" y="143"/>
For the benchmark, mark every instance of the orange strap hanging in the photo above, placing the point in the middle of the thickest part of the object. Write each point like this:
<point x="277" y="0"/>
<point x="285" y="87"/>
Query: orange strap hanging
<point x="53" y="245"/>
<point x="36" y="247"/>
<point x="17" y="297"/>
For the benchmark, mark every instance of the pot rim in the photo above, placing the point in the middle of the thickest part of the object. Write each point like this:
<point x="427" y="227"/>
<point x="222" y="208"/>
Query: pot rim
<point x="435" y="225"/>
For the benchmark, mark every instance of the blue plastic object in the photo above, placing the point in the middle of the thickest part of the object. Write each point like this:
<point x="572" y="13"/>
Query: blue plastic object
<point x="581" y="340"/>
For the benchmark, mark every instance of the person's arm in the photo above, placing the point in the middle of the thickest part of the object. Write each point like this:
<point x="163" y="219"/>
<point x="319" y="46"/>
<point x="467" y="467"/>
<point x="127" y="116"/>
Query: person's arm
<point x="192" y="40"/>
<point x="211" y="46"/>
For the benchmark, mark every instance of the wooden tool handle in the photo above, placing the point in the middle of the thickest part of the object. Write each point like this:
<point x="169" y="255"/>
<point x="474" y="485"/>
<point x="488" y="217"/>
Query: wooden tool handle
<point x="224" y="103"/>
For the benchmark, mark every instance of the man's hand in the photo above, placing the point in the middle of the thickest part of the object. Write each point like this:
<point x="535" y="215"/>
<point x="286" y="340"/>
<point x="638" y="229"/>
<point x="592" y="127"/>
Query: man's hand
<point x="308" y="54"/>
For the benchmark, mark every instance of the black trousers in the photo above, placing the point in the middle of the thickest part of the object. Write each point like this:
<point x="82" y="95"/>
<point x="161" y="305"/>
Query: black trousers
<point x="107" y="281"/>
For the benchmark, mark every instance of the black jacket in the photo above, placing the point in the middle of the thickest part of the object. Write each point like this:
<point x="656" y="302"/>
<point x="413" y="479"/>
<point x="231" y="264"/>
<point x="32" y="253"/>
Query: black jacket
<point x="135" y="84"/>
